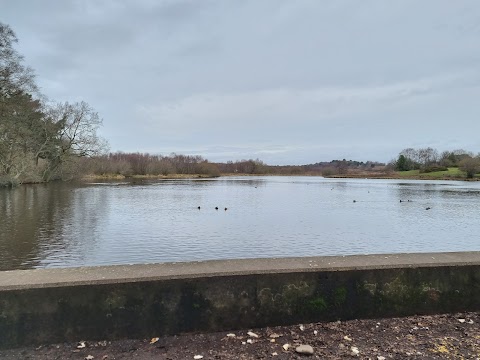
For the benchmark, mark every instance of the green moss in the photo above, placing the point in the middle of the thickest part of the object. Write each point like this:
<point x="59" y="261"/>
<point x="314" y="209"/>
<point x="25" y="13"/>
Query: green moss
<point x="292" y="292"/>
<point x="288" y="300"/>
<point x="396" y="289"/>
<point x="370" y="288"/>
<point x="266" y="297"/>
<point x="115" y="300"/>
<point x="318" y="304"/>
<point x="340" y="296"/>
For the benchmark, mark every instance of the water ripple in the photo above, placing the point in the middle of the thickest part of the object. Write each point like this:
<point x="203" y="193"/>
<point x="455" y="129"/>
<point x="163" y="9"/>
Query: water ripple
<point x="63" y="225"/>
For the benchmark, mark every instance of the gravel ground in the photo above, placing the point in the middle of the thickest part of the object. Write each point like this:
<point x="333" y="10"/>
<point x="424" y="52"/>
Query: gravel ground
<point x="453" y="336"/>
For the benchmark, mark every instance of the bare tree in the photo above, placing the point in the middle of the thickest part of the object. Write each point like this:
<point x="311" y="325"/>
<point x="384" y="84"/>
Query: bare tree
<point x="412" y="157"/>
<point x="427" y="156"/>
<point x="77" y="134"/>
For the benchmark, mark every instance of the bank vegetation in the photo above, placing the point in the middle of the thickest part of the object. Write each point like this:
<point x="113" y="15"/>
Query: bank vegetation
<point x="40" y="139"/>
<point x="425" y="162"/>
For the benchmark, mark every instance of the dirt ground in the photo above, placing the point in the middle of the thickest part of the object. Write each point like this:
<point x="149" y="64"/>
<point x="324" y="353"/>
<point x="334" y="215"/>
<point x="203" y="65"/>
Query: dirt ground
<point x="454" y="336"/>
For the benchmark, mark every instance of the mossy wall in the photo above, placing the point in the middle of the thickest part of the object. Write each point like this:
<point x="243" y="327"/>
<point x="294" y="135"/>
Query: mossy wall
<point x="217" y="303"/>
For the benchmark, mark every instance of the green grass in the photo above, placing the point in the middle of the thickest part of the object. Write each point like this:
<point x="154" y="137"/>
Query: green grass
<point x="452" y="172"/>
<point x="408" y="173"/>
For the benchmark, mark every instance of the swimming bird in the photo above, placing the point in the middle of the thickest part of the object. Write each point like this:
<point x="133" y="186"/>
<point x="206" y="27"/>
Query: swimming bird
<point x="225" y="209"/>
<point x="216" y="207"/>
<point x="354" y="200"/>
<point x="198" y="208"/>
<point x="428" y="208"/>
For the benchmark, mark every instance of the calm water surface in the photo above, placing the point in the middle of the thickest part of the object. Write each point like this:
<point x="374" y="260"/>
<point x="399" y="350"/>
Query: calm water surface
<point x="64" y="225"/>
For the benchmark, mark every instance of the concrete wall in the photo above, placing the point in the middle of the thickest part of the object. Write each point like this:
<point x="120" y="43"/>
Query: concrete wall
<point x="56" y="305"/>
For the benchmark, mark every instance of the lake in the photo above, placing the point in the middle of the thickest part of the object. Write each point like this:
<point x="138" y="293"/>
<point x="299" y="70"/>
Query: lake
<point x="125" y="222"/>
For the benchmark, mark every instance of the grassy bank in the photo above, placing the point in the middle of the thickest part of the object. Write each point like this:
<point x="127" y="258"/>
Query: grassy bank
<point x="452" y="173"/>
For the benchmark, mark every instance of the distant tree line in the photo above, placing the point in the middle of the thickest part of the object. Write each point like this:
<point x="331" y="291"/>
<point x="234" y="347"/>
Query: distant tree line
<point x="128" y="164"/>
<point x="243" y="166"/>
<point x="429" y="160"/>
<point x="39" y="140"/>
<point x="333" y="167"/>
<point x="343" y="167"/>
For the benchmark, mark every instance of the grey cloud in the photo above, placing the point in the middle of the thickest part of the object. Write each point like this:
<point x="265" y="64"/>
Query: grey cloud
<point x="283" y="80"/>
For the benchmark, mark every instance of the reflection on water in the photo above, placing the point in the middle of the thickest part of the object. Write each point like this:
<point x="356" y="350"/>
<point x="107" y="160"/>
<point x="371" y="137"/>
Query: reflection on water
<point x="62" y="225"/>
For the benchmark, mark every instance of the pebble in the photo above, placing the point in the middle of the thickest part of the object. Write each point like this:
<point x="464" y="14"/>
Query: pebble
<point x="231" y="335"/>
<point x="89" y="357"/>
<point x="304" y="349"/>
<point x="347" y="338"/>
<point x="461" y="320"/>
<point x="286" y="346"/>
<point x="355" y="350"/>
<point x="380" y="357"/>
<point x="252" y="334"/>
<point x="197" y="357"/>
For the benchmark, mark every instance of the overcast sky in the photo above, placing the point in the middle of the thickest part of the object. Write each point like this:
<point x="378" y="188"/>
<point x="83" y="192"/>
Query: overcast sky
<point x="289" y="82"/>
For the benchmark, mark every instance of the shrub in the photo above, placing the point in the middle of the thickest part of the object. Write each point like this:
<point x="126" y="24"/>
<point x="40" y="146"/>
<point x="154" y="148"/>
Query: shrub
<point x="471" y="166"/>
<point x="208" y="169"/>
<point x="329" y="171"/>
<point x="434" y="168"/>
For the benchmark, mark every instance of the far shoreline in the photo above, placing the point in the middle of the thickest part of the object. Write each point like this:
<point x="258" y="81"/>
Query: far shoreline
<point x="378" y="176"/>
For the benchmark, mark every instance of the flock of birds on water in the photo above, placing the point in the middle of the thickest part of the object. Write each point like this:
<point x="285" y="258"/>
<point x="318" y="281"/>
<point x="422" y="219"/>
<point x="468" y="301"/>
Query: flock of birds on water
<point x="216" y="208"/>
<point x="427" y="208"/>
